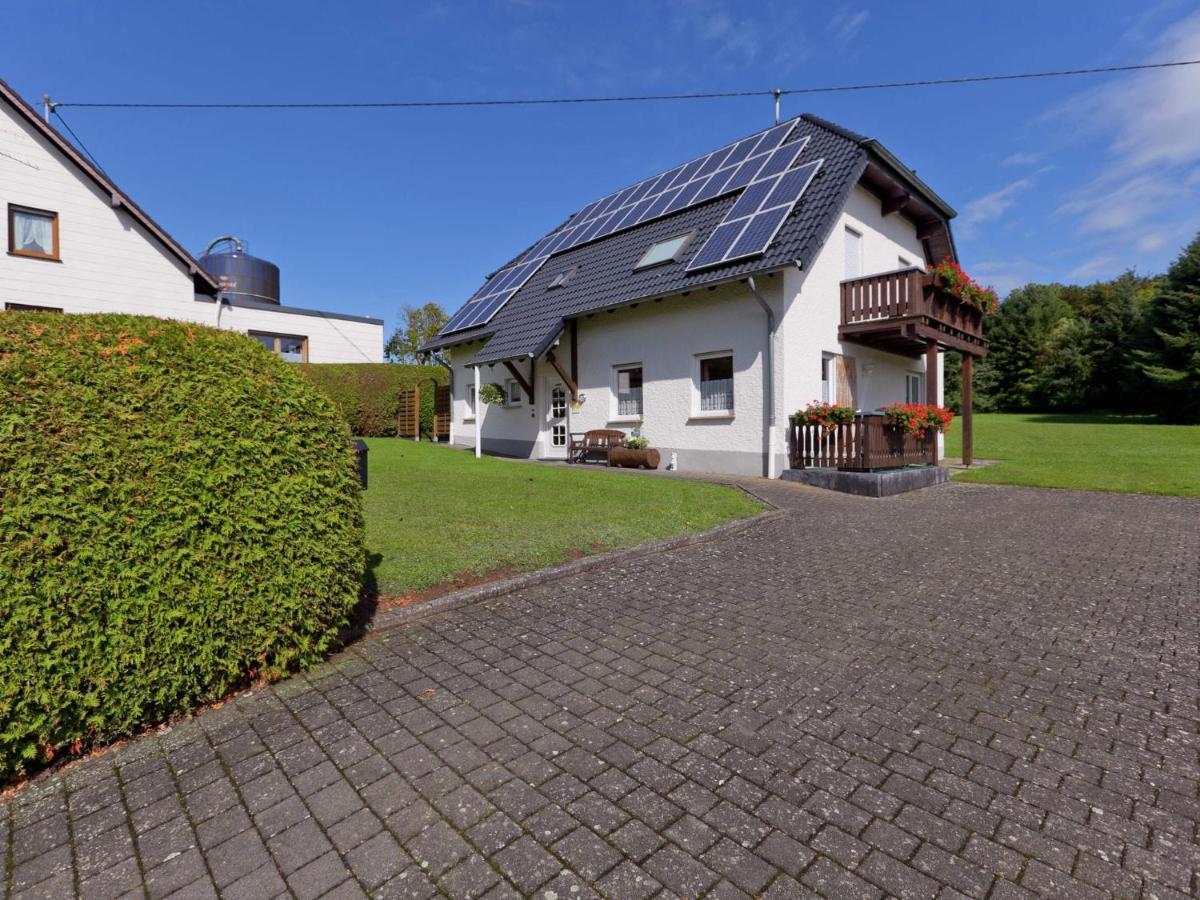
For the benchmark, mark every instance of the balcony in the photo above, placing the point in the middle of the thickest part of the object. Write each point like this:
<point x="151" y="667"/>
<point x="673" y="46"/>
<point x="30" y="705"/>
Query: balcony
<point x="906" y="312"/>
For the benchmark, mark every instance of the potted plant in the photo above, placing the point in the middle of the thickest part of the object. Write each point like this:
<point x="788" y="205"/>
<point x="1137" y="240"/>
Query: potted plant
<point x="635" y="452"/>
<point x="826" y="416"/>
<point x="917" y="418"/>
<point x="952" y="279"/>
<point x="491" y="394"/>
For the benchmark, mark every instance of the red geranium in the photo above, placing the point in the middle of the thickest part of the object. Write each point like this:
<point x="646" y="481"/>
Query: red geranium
<point x="961" y="285"/>
<point x="827" y="416"/>
<point x="918" y="418"/>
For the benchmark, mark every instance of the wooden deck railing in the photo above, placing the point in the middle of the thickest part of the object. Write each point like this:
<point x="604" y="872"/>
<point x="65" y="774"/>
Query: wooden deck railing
<point x="907" y="293"/>
<point x="862" y="445"/>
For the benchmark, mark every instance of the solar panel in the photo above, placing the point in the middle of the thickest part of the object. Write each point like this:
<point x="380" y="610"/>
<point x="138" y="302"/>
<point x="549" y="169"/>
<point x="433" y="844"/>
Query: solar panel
<point x="752" y="223"/>
<point x="761" y="164"/>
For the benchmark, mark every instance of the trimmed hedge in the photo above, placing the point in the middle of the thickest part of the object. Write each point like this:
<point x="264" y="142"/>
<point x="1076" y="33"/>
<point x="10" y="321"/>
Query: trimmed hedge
<point x="179" y="512"/>
<point x="369" y="393"/>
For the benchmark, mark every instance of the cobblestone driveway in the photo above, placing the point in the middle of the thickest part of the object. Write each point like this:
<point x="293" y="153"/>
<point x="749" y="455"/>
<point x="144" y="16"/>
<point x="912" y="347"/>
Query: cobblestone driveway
<point x="971" y="691"/>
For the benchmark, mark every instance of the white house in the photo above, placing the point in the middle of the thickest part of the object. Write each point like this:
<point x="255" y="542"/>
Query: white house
<point x="76" y="243"/>
<point x="707" y="304"/>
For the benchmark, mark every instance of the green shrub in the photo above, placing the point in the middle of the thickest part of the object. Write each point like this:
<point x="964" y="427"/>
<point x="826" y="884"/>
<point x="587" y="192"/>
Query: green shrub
<point x="179" y="512"/>
<point x="369" y="393"/>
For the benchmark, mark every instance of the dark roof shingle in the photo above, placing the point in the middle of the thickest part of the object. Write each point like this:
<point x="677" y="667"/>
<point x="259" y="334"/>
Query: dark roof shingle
<point x="605" y="274"/>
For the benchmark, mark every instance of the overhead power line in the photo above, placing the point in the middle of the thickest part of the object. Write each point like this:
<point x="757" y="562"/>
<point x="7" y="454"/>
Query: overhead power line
<point x="637" y="98"/>
<point x="78" y="142"/>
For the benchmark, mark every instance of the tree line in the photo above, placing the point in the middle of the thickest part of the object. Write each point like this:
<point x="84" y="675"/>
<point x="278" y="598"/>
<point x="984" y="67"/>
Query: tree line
<point x="1128" y="345"/>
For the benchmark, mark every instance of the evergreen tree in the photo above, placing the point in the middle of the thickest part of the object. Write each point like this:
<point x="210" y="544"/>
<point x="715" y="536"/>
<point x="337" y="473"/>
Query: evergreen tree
<point x="1171" y="362"/>
<point x="1018" y="336"/>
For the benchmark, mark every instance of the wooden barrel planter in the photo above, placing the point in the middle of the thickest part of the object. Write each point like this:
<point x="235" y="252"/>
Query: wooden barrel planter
<point x="627" y="458"/>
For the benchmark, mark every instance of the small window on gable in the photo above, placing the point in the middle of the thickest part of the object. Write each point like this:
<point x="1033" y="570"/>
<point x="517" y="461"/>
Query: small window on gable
<point x="853" y="244"/>
<point x="32" y="232"/>
<point x="561" y="279"/>
<point x="665" y="251"/>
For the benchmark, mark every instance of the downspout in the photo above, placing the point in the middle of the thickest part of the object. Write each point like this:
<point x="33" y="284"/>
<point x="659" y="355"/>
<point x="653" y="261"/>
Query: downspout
<point x="768" y="376"/>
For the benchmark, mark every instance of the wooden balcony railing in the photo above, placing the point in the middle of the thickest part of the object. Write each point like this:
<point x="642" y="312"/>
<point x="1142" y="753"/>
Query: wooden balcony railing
<point x="862" y="445"/>
<point x="902" y="311"/>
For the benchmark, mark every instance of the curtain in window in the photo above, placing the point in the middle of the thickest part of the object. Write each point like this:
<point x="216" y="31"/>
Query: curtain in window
<point x="34" y="233"/>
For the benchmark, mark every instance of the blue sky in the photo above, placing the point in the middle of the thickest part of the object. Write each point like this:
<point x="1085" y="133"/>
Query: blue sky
<point x="365" y="211"/>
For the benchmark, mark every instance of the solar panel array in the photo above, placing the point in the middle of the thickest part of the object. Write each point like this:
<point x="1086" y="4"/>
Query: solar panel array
<point x="761" y="159"/>
<point x="752" y="223"/>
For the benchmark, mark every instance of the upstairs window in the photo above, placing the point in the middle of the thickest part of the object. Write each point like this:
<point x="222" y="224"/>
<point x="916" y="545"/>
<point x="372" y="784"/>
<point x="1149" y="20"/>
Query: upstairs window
<point x="629" y="391"/>
<point x="291" y="347"/>
<point x="665" y="251"/>
<point x="32" y="232"/>
<point x="854" y="264"/>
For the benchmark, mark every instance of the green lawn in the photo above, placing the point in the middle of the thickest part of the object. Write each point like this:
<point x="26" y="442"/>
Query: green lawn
<point x="1129" y="454"/>
<point x="435" y="514"/>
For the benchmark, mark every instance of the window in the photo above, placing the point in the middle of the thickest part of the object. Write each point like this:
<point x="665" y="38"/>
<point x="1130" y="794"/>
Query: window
<point x="558" y="402"/>
<point x="32" y="232"/>
<point x="562" y="278"/>
<point x="828" y="388"/>
<point x="28" y="307"/>
<point x="291" y="347"/>
<point x="853" y="253"/>
<point x="470" y="401"/>
<point x="512" y="391"/>
<point x="914" y="388"/>
<point x="665" y="251"/>
<point x="628" y="392"/>
<point x="558" y="435"/>
<point x="716" y="383"/>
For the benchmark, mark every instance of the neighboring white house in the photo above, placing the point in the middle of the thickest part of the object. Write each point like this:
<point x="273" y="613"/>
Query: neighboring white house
<point x="76" y="243"/>
<point x="658" y="306"/>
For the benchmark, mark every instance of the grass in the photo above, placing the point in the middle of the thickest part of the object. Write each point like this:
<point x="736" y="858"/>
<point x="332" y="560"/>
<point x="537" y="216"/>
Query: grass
<point x="1094" y="452"/>
<point x="436" y="514"/>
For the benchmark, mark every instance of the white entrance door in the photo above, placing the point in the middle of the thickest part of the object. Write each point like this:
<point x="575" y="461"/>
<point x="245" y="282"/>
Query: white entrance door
<point x="556" y="433"/>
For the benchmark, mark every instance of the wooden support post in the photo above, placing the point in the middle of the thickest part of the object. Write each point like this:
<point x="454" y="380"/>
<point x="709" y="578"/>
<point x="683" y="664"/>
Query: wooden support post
<point x="931" y="390"/>
<point x="526" y="386"/>
<point x="562" y="373"/>
<point x="968" y="436"/>
<point x="575" y="355"/>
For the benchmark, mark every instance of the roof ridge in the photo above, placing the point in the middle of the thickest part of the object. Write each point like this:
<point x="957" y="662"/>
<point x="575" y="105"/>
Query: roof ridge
<point x="840" y="130"/>
<point x="119" y="197"/>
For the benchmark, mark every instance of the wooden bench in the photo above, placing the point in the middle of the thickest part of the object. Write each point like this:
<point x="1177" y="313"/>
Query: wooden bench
<point x="593" y="446"/>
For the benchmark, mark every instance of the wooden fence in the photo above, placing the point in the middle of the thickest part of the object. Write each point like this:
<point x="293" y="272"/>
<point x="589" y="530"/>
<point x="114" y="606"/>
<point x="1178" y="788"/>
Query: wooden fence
<point x="862" y="445"/>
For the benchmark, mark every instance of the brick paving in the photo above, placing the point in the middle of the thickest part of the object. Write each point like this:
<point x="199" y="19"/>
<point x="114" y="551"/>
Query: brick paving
<point x="970" y="691"/>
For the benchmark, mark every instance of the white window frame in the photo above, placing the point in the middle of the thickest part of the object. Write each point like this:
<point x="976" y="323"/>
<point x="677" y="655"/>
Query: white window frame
<point x="470" y="401"/>
<point x="697" y="411"/>
<point x="650" y="258"/>
<point x="846" y="232"/>
<point x="919" y="377"/>
<point x="614" y="411"/>
<point x="829" y="369"/>
<point x="512" y="392"/>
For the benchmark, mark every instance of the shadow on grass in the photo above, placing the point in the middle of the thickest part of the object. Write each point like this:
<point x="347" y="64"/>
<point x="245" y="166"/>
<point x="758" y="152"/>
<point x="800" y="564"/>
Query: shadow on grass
<point x="1096" y="418"/>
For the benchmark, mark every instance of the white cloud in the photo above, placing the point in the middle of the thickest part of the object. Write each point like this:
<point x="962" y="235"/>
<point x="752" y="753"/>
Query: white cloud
<point x="846" y="24"/>
<point x="992" y="206"/>
<point x="1023" y="159"/>
<point x="1150" y="242"/>
<point x="712" y="24"/>
<point x="1093" y="268"/>
<point x="1149" y="123"/>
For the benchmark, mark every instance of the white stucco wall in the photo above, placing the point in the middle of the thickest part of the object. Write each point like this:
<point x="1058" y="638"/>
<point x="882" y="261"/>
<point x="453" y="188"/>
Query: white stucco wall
<point x="110" y="264"/>
<point x="811" y="322"/>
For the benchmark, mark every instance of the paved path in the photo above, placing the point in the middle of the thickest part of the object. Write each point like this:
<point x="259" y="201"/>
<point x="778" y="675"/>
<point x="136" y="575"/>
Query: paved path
<point x="974" y="691"/>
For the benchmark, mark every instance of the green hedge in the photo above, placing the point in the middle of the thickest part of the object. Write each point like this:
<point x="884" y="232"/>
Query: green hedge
<point x="179" y="512"/>
<point x="369" y="393"/>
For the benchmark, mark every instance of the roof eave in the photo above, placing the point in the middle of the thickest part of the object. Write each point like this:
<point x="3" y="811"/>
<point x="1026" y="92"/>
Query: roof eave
<point x="118" y="198"/>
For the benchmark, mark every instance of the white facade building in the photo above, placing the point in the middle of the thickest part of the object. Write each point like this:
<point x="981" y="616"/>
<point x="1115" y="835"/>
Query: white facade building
<point x="683" y="358"/>
<point x="77" y="244"/>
